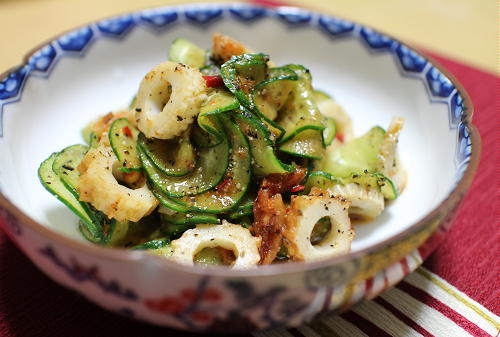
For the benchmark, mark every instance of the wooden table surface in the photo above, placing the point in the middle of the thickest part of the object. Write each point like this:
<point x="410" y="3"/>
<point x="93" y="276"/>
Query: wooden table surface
<point x="466" y="30"/>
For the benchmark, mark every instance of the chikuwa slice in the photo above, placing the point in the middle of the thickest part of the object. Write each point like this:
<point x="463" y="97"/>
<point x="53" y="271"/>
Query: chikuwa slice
<point x="305" y="212"/>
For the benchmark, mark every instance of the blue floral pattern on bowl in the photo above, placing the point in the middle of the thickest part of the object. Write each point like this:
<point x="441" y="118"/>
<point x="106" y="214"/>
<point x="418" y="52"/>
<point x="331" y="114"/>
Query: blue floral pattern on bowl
<point x="439" y="84"/>
<point x="43" y="59"/>
<point x="80" y="273"/>
<point x="159" y="18"/>
<point x="335" y="26"/>
<point x="294" y="16"/>
<point x="11" y="85"/>
<point x="456" y="109"/>
<point x="375" y="39"/>
<point x="116" y="26"/>
<point x="203" y="16"/>
<point x="76" y="40"/>
<point x="410" y="60"/>
<point x="248" y="14"/>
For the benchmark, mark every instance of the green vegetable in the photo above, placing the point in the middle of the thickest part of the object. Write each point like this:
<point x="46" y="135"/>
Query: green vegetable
<point x="325" y="180"/>
<point x="307" y="144"/>
<point x="66" y="166"/>
<point x="123" y="140"/>
<point x="234" y="184"/>
<point x="356" y="156"/>
<point x="241" y="73"/>
<point x="209" y="171"/>
<point x="174" y="157"/>
<point x="186" y="52"/>
<point x="264" y="160"/>
<point x="300" y="112"/>
<point x="209" y="256"/>
<point x="270" y="95"/>
<point x="52" y="183"/>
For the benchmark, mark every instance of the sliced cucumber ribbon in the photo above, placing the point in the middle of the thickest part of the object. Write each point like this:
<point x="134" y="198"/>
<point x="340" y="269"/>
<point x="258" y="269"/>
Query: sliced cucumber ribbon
<point x="376" y="180"/>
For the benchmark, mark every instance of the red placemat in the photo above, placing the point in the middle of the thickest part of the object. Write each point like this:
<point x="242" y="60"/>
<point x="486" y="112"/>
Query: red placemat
<point x="33" y="305"/>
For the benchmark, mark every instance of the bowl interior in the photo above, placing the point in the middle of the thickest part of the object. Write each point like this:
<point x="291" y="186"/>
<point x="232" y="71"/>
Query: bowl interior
<point x="369" y="83"/>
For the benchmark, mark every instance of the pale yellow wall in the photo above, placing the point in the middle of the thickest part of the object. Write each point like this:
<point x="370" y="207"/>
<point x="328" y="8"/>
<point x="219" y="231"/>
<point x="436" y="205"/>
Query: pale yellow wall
<point x="466" y="30"/>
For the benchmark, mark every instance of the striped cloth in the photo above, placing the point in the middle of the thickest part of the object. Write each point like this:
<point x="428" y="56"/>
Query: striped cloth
<point x="423" y="304"/>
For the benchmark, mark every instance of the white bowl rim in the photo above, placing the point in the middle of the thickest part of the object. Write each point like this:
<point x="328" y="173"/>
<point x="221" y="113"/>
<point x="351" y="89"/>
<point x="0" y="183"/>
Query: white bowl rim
<point x="451" y="201"/>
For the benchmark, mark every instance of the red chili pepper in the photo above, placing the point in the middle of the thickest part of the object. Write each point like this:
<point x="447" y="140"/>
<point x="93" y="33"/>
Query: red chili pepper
<point x="213" y="81"/>
<point x="340" y="137"/>
<point x="224" y="185"/>
<point x="297" y="188"/>
<point x="127" y="132"/>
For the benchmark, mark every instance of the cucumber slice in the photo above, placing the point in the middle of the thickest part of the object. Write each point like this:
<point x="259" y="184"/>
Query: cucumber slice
<point x="329" y="132"/>
<point x="300" y="112"/>
<point x="175" y="231"/>
<point x="227" y="195"/>
<point x="209" y="171"/>
<point x="153" y="244"/>
<point x="218" y="101"/>
<point x="116" y="233"/>
<point x="244" y="209"/>
<point x="168" y="202"/>
<point x="320" y="96"/>
<point x="52" y="183"/>
<point x="306" y="144"/>
<point x="356" y="156"/>
<point x="320" y="179"/>
<point x="65" y="166"/>
<point x="93" y="140"/>
<point x="186" y="52"/>
<point x="123" y="140"/>
<point x="325" y="180"/>
<point x="270" y="95"/>
<point x="191" y="218"/>
<point x="209" y="257"/>
<point x="240" y="213"/>
<point x="241" y="73"/>
<point x="264" y="160"/>
<point x="174" y="157"/>
<point x="378" y="180"/>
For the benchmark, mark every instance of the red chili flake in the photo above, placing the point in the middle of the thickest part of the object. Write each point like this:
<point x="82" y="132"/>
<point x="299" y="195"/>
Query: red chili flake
<point x="201" y="316"/>
<point x="297" y="188"/>
<point x="212" y="295"/>
<point x="213" y="81"/>
<point x="340" y="137"/>
<point x="224" y="185"/>
<point x="127" y="132"/>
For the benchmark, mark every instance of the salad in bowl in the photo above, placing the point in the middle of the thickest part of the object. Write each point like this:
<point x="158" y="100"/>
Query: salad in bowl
<point x="225" y="158"/>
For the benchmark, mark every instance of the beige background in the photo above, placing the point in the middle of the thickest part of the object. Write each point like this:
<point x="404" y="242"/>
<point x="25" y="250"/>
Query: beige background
<point x="466" y="30"/>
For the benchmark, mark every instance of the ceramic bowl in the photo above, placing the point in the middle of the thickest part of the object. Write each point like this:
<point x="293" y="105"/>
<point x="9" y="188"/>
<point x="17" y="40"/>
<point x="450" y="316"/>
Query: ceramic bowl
<point x="94" y="69"/>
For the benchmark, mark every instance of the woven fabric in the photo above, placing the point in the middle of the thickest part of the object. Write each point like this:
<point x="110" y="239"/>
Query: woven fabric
<point x="455" y="294"/>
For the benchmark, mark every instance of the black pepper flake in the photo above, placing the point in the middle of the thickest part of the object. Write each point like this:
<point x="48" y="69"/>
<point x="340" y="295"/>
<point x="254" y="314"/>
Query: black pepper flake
<point x="138" y="109"/>
<point x="69" y="168"/>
